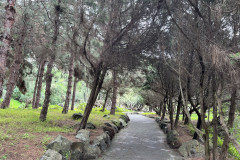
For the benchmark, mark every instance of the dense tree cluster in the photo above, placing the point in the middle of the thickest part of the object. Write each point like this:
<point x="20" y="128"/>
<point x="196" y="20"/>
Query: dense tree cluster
<point x="184" y="55"/>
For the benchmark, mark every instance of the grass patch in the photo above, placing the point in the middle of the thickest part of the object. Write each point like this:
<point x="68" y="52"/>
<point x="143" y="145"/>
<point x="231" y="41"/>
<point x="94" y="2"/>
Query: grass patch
<point x="148" y="113"/>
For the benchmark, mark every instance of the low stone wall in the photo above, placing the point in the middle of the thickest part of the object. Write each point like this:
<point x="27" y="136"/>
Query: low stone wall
<point x="63" y="149"/>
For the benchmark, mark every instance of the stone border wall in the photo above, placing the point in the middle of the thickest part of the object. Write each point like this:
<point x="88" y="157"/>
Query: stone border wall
<point x="63" y="149"/>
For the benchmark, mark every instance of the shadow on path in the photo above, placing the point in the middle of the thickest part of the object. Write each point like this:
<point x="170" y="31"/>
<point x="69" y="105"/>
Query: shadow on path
<point x="141" y="140"/>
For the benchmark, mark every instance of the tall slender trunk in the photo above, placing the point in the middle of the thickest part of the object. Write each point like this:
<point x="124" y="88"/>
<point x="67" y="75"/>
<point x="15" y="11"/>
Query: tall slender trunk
<point x="69" y="87"/>
<point x="74" y="93"/>
<point x="39" y="85"/>
<point x="231" y="116"/>
<point x="199" y="124"/>
<point x="178" y="110"/>
<point x="164" y="107"/>
<point x="35" y="87"/>
<point x="105" y="100"/>
<point x="49" y="75"/>
<point x="7" y="39"/>
<point x="17" y="62"/>
<point x="114" y="97"/>
<point x="97" y="85"/>
<point x="215" y="122"/>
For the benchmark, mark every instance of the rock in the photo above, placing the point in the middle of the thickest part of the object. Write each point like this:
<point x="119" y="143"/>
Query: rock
<point x="77" y="116"/>
<point x="61" y="145"/>
<point x="90" y="126"/>
<point x="165" y="120"/>
<point x="112" y="126"/>
<point x="77" y="149"/>
<point x="123" y="122"/>
<point x="172" y="140"/>
<point x="83" y="135"/>
<point x="125" y="118"/>
<point x="91" y="152"/>
<point x="158" y="120"/>
<point x="165" y="130"/>
<point x="51" y="155"/>
<point x="118" y="124"/>
<point x="192" y="149"/>
<point x="175" y="133"/>
<point x="110" y="131"/>
<point x="100" y="142"/>
<point x="162" y="125"/>
<point x="106" y="116"/>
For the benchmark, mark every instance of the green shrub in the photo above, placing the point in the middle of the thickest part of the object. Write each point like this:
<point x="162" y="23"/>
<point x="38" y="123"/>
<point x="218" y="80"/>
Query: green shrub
<point x="232" y="150"/>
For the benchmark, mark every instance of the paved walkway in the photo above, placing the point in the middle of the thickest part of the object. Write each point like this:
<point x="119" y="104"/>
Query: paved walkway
<point x="141" y="140"/>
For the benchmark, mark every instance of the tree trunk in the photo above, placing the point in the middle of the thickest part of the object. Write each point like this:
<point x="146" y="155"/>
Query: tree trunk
<point x="69" y="87"/>
<point x="7" y="39"/>
<point x="178" y="110"/>
<point x="49" y="75"/>
<point x="170" y="109"/>
<point x="231" y="116"/>
<point x="74" y="93"/>
<point x="97" y="85"/>
<point x="17" y="62"/>
<point x="199" y="124"/>
<point x="35" y="87"/>
<point x="215" y="122"/>
<point x="105" y="101"/>
<point x="164" y="108"/>
<point x="114" y="97"/>
<point x="39" y="85"/>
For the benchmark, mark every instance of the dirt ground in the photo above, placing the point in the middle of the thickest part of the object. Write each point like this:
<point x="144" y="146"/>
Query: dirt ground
<point x="34" y="148"/>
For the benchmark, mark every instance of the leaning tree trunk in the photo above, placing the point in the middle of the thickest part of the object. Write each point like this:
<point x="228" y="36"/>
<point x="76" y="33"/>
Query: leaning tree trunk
<point x="97" y="85"/>
<point x="214" y="121"/>
<point x="231" y="116"/>
<point x="105" y="101"/>
<point x="178" y="110"/>
<point x="35" y="87"/>
<point x="74" y="93"/>
<point x="164" y="107"/>
<point x="17" y="62"/>
<point x="69" y="87"/>
<point x="114" y="97"/>
<point x="49" y="75"/>
<point x="39" y="85"/>
<point x="7" y="39"/>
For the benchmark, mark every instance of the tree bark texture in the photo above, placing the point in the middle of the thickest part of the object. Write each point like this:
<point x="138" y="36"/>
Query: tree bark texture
<point x="231" y="116"/>
<point x="69" y="87"/>
<point x="178" y="110"/>
<point x="74" y="92"/>
<point x="97" y="85"/>
<point x="39" y="85"/>
<point x="7" y="39"/>
<point x="114" y="97"/>
<point x="52" y="57"/>
<point x="35" y="87"/>
<point x="105" y="101"/>
<point x="17" y="62"/>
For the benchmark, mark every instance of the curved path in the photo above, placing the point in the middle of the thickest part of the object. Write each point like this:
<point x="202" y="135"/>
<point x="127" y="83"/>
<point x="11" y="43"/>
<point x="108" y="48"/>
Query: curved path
<point x="141" y="140"/>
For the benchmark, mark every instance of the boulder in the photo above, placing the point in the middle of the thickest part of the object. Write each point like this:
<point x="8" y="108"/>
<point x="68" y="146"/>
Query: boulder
<point x="165" y="129"/>
<point x="165" y="120"/>
<point x="110" y="131"/>
<point x="112" y="126"/>
<point x="118" y="124"/>
<point x="61" y="145"/>
<point x="100" y="142"/>
<point x="51" y="155"/>
<point x="158" y="120"/>
<point x="107" y="138"/>
<point x="123" y="122"/>
<point x="162" y="125"/>
<point x="90" y="126"/>
<point x="91" y="152"/>
<point x="175" y="133"/>
<point x="106" y="116"/>
<point x="77" y="116"/>
<point x="77" y="149"/>
<point x="192" y="149"/>
<point x="125" y="118"/>
<point x="172" y="140"/>
<point x="83" y="135"/>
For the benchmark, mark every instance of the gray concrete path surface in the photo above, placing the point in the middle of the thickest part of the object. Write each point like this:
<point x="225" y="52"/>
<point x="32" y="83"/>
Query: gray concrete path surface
<point x="142" y="139"/>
